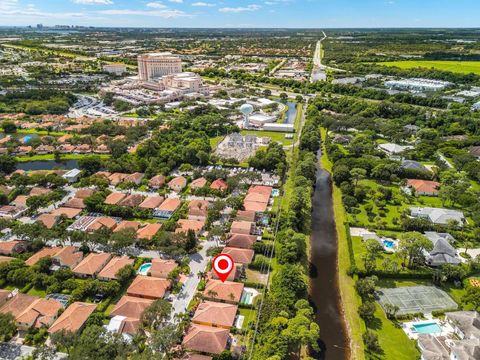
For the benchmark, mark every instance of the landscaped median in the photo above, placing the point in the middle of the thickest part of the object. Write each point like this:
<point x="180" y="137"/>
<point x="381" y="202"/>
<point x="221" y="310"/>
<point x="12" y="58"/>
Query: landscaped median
<point x="350" y="299"/>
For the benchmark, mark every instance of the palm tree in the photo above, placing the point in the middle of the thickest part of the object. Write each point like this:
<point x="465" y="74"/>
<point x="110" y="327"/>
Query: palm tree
<point x="212" y="293"/>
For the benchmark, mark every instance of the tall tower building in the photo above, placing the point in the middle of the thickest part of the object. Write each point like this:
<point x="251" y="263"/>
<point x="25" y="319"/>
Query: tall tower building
<point x="158" y="64"/>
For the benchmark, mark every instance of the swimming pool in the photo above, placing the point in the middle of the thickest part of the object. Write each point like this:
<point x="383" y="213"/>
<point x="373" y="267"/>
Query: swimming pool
<point x="246" y="298"/>
<point x="427" y="328"/>
<point x="389" y="244"/>
<point x="275" y="192"/>
<point x="26" y="139"/>
<point x="143" y="270"/>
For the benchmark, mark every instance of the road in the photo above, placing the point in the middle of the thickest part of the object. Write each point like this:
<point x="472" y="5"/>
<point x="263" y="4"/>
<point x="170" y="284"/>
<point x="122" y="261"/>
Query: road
<point x="319" y="70"/>
<point x="198" y="263"/>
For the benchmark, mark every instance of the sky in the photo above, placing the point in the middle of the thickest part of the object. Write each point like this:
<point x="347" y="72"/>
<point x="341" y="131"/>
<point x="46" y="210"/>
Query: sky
<point x="243" y="13"/>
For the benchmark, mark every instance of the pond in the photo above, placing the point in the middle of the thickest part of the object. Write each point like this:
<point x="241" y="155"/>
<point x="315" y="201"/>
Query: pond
<point x="47" y="165"/>
<point x="291" y="113"/>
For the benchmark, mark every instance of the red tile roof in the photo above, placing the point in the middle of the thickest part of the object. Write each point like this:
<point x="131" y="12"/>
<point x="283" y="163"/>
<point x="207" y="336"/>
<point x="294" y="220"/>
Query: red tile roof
<point x="73" y="318"/>
<point x="226" y="291"/>
<point x="241" y="256"/>
<point x="206" y="339"/>
<point x="148" y="287"/>
<point x="215" y="314"/>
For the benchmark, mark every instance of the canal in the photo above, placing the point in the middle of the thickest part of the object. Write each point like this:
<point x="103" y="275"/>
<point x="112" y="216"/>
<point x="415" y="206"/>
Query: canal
<point x="47" y="164"/>
<point x="324" y="292"/>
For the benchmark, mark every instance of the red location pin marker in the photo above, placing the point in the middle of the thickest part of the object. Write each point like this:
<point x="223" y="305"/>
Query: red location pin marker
<point x="222" y="265"/>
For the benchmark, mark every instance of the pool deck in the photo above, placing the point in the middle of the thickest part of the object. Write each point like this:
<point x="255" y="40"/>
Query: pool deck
<point x="409" y="329"/>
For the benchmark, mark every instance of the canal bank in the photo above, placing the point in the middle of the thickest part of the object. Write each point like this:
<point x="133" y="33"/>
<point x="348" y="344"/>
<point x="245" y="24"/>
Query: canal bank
<point x="324" y="292"/>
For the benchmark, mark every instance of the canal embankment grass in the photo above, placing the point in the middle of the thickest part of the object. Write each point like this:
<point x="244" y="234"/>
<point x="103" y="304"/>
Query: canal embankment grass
<point x="349" y="298"/>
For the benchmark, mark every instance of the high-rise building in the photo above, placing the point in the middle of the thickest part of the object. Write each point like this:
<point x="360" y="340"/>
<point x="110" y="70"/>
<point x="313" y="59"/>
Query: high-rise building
<point x="155" y="65"/>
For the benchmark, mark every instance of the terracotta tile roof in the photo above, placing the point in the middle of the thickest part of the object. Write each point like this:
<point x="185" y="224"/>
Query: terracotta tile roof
<point x="152" y="202"/>
<point x="215" y="314"/>
<point x="132" y="200"/>
<point x="12" y="246"/>
<point x="92" y="264"/>
<point x="193" y="356"/>
<point x="102" y="221"/>
<point x="257" y="198"/>
<point x="116" y="263"/>
<point x="157" y="181"/>
<point x="261" y="189"/>
<point x="177" y="183"/>
<point x="198" y="183"/>
<point x="73" y="318"/>
<point x="170" y="204"/>
<point x="84" y="193"/>
<point x="41" y="312"/>
<point x="161" y="268"/>
<point x="48" y="220"/>
<point x="241" y="227"/>
<point x="132" y="308"/>
<point x="126" y="224"/>
<point x="46" y="251"/>
<point x="241" y="256"/>
<point x="424" y="186"/>
<point x="219" y="184"/>
<point x="117" y="178"/>
<point x="5" y="259"/>
<point x="226" y="291"/>
<point x="75" y="203"/>
<point x="246" y="215"/>
<point x="36" y="191"/>
<point x="186" y="224"/>
<point x="68" y="212"/>
<point x="114" y="198"/>
<point x="206" y="339"/>
<point x="135" y="178"/>
<point x="198" y="207"/>
<point x="104" y="174"/>
<point x="148" y="231"/>
<point x="148" y="287"/>
<point x="21" y="200"/>
<point x="18" y="304"/>
<point x="242" y="241"/>
<point x="69" y="256"/>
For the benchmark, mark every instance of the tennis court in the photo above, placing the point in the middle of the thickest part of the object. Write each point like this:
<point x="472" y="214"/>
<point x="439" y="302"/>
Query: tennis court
<point x="416" y="299"/>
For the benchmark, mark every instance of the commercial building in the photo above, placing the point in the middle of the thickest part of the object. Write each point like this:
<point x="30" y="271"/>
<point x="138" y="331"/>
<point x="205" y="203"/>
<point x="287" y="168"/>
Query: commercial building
<point x="416" y="84"/>
<point x="117" y="69"/>
<point x="157" y="65"/>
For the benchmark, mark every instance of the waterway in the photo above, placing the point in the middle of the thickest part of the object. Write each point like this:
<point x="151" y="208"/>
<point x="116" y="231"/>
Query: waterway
<point x="291" y="113"/>
<point x="47" y="165"/>
<point x="324" y="292"/>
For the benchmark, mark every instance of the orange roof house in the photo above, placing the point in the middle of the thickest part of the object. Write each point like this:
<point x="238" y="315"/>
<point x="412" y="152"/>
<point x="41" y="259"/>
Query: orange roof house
<point x="73" y="318"/>
<point x="246" y="215"/>
<point x="235" y="274"/>
<point x="198" y="183"/>
<point x="161" y="268"/>
<point x="227" y="291"/>
<point x="257" y="198"/>
<point x="241" y="241"/>
<point x="148" y="287"/>
<point x="219" y="184"/>
<point x="242" y="227"/>
<point x="149" y="231"/>
<point x="12" y="247"/>
<point x="46" y="251"/>
<point x="68" y="256"/>
<point x="117" y="178"/>
<point x="135" y="178"/>
<point x="127" y="224"/>
<point x="102" y="222"/>
<point x="31" y="311"/>
<point x="156" y="182"/>
<point x="151" y="202"/>
<point x="48" y="220"/>
<point x="70" y="213"/>
<point x="178" y="183"/>
<point x="216" y="314"/>
<point x="132" y="308"/>
<point x="186" y="224"/>
<point x="18" y="304"/>
<point x="132" y="200"/>
<point x="423" y="187"/>
<point x="109" y="272"/>
<point x="37" y="191"/>
<point x="170" y="205"/>
<point x="193" y="356"/>
<point x="84" y="193"/>
<point x="20" y="200"/>
<point x="92" y="264"/>
<point x="198" y="209"/>
<point x="206" y="339"/>
<point x="75" y="203"/>
<point x="240" y="256"/>
<point x="114" y="198"/>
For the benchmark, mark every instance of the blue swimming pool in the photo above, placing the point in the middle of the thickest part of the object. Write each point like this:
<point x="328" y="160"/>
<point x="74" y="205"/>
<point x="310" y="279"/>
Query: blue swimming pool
<point x="26" y="139"/>
<point x="246" y="298"/>
<point x="427" y="328"/>
<point x="389" y="244"/>
<point x="143" y="269"/>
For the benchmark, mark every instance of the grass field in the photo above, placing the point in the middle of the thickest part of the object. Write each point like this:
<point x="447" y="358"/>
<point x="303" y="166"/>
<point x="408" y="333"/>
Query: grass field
<point x="464" y="67"/>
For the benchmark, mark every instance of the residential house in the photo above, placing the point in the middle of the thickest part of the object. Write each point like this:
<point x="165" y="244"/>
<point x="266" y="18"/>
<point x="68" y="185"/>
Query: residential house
<point x="84" y="193"/>
<point x="246" y="215"/>
<point x="167" y="208"/>
<point x="75" y="203"/>
<point x="102" y="222"/>
<point x="465" y="323"/>
<point x="73" y="319"/>
<point x="67" y="257"/>
<point x="109" y="272"/>
<point x="198" y="183"/>
<point x="92" y="264"/>
<point x="228" y="291"/>
<point x="156" y="182"/>
<point x="438" y="215"/>
<point x="38" y="191"/>
<point x="114" y="198"/>
<point x="70" y="213"/>
<point x="219" y="184"/>
<point x="413" y="165"/>
<point x="198" y="209"/>
<point x="442" y="253"/>
<point x="394" y="149"/>
<point x="242" y="241"/>
<point x="206" y="339"/>
<point x="148" y="231"/>
<point x="240" y="256"/>
<point x="48" y="220"/>
<point x="46" y="251"/>
<point x="127" y="224"/>
<point x="185" y="225"/>
<point x="12" y="247"/>
<point x="422" y="187"/>
<point x="215" y="314"/>
<point x="151" y="202"/>
<point x="162" y="268"/>
<point x="12" y="212"/>
<point x="131" y="308"/>
<point x="72" y="175"/>
<point x="132" y="200"/>
<point x="117" y="178"/>
<point x="242" y="227"/>
<point x="147" y="287"/>
<point x="135" y="178"/>
<point x="178" y="183"/>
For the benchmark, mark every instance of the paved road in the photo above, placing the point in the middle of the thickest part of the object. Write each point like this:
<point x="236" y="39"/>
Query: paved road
<point x="444" y="159"/>
<point x="198" y="262"/>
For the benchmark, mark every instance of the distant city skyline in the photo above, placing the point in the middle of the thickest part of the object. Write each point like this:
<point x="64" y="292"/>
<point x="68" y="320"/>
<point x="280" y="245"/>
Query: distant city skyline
<point x="243" y="13"/>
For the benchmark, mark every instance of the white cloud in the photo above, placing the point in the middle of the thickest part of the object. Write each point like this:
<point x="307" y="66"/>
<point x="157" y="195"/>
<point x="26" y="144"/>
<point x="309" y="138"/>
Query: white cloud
<point x="156" y="5"/>
<point x="166" y="13"/>
<point x="11" y="8"/>
<point x="93" y="2"/>
<point x="203" y="4"/>
<point x="176" y="1"/>
<point x="252" y="7"/>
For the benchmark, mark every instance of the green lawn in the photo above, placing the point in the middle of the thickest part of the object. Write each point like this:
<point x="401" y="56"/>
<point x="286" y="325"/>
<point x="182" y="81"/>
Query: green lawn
<point x="250" y="316"/>
<point x="39" y="132"/>
<point x="464" y="67"/>
<point x="215" y="141"/>
<point x="63" y="157"/>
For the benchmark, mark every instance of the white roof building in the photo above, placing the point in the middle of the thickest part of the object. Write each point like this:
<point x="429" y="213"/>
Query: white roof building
<point x="438" y="215"/>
